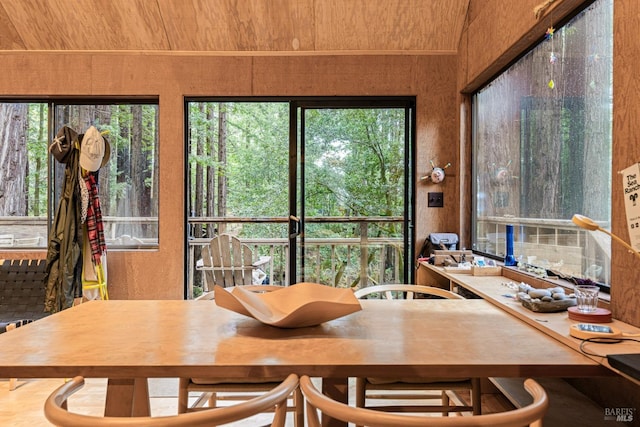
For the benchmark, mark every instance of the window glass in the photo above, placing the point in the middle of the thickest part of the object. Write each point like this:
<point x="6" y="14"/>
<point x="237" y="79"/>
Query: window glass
<point x="23" y="174"/>
<point x="542" y="150"/>
<point x="346" y="167"/>
<point x="128" y="182"/>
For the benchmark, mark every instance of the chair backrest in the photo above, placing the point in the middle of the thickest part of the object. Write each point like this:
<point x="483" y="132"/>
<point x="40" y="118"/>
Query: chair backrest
<point x="407" y="291"/>
<point x="55" y="412"/>
<point x="227" y="261"/>
<point x="528" y="415"/>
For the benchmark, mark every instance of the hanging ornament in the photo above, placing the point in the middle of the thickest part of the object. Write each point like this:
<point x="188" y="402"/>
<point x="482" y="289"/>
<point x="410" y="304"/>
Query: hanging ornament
<point x="549" y="34"/>
<point x="552" y="56"/>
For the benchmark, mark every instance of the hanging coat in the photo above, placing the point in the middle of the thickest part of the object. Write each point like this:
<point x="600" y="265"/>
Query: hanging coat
<point x="64" y="254"/>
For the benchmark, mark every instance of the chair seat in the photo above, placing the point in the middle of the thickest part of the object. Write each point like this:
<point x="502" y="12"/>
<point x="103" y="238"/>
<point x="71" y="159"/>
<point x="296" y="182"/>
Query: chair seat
<point x="530" y="415"/>
<point x="270" y="400"/>
<point x="245" y="380"/>
<point x="415" y="388"/>
<point x="416" y="380"/>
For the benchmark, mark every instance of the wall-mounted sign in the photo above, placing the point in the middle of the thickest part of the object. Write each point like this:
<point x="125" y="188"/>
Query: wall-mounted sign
<point x="631" y="188"/>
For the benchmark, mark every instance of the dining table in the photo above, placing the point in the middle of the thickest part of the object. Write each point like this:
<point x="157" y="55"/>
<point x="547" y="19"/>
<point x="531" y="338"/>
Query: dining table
<point x="130" y="341"/>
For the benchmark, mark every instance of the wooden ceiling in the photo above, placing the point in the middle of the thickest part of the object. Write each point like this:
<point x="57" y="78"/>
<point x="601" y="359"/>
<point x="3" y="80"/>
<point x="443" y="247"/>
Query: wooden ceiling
<point x="235" y="26"/>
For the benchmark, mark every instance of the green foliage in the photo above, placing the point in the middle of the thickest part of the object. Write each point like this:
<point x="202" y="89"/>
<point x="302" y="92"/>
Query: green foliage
<point x="37" y="151"/>
<point x="353" y="166"/>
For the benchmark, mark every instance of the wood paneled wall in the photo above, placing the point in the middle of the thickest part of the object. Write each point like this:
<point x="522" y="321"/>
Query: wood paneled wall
<point x="247" y="26"/>
<point x="160" y="274"/>
<point x="495" y="35"/>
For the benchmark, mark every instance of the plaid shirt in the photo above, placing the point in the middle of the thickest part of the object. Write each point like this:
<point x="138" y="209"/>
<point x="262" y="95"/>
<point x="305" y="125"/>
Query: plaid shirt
<point x="95" y="228"/>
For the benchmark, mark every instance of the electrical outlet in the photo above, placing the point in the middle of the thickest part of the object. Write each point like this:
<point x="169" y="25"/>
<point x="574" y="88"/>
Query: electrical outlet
<point x="435" y="200"/>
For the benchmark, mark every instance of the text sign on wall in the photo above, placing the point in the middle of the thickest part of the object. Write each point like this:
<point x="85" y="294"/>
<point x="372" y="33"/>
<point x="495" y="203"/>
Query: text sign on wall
<point x="631" y="188"/>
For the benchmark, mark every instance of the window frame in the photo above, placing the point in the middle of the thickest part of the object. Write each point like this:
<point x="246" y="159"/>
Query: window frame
<point x="55" y="169"/>
<point x="605" y="287"/>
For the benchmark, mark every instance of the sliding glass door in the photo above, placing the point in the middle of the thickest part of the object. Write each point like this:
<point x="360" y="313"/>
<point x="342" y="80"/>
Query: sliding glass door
<point x="321" y="186"/>
<point x="351" y="202"/>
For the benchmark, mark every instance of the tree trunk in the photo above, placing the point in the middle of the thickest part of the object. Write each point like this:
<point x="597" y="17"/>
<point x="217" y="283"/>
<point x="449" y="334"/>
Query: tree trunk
<point x="201" y="137"/>
<point x="211" y="170"/>
<point x="13" y="159"/>
<point x="139" y="190"/>
<point x="40" y="168"/>
<point x="222" y="165"/>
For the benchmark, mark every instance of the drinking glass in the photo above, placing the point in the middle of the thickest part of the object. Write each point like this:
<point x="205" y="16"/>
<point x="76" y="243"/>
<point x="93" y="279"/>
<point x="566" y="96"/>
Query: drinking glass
<point x="587" y="298"/>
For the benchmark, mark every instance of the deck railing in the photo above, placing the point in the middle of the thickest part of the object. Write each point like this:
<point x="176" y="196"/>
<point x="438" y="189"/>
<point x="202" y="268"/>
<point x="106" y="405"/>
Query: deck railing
<point x="368" y="258"/>
<point x="549" y="243"/>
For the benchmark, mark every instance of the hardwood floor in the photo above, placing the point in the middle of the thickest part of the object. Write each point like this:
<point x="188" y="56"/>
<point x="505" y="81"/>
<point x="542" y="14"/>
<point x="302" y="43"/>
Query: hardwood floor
<point x="23" y="407"/>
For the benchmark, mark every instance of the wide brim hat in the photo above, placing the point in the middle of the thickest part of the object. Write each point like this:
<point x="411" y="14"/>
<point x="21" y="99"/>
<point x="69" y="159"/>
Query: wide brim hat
<point x="107" y="151"/>
<point x="63" y="144"/>
<point x="92" y="150"/>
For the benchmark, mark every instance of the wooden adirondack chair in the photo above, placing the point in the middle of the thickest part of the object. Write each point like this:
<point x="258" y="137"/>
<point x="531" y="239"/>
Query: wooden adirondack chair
<point x="228" y="262"/>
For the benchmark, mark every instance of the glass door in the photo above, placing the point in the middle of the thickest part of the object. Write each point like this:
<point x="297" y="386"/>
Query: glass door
<point x="351" y="195"/>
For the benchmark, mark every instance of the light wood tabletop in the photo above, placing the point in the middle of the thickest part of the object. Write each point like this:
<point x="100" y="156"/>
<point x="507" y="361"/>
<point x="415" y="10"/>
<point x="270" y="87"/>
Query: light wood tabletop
<point x="128" y="340"/>
<point x="500" y="291"/>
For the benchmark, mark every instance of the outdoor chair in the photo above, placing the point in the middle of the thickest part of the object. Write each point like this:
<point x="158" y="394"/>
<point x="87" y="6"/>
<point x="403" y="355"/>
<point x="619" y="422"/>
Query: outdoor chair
<point x="447" y="390"/>
<point x="228" y="262"/>
<point x="531" y="414"/>
<point x="55" y="410"/>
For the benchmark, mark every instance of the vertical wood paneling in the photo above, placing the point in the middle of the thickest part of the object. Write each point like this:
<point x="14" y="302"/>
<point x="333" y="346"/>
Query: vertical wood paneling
<point x="248" y="25"/>
<point x="625" y="277"/>
<point x="87" y="24"/>
<point x="487" y="51"/>
<point x="160" y="274"/>
<point x="377" y="26"/>
<point x="406" y="24"/>
<point x="497" y="34"/>
<point x="9" y="37"/>
<point x="436" y="140"/>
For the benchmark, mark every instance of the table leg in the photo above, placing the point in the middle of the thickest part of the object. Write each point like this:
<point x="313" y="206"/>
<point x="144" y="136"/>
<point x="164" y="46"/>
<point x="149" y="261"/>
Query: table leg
<point x="127" y="398"/>
<point x="337" y="389"/>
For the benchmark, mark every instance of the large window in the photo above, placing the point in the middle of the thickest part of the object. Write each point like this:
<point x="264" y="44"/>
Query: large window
<point x="31" y="179"/>
<point x="319" y="186"/>
<point x="542" y="150"/>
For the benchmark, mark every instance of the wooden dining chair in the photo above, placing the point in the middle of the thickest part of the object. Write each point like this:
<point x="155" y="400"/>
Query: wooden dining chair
<point x="227" y="262"/>
<point x="213" y="390"/>
<point x="446" y="390"/>
<point x="55" y="410"/>
<point x="530" y="415"/>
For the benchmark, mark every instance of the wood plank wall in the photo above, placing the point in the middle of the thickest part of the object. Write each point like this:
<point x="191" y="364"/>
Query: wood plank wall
<point x="160" y="274"/>
<point x="495" y="35"/>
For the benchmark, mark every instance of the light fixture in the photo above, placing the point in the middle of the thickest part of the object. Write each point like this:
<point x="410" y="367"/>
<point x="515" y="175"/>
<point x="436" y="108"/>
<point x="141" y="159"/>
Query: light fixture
<point x="589" y="224"/>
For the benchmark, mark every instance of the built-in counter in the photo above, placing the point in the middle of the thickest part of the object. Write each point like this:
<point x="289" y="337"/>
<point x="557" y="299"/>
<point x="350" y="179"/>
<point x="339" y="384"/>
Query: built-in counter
<point x="498" y="291"/>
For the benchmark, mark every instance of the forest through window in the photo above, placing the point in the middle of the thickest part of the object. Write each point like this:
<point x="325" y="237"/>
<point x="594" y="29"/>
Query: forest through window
<point x="342" y="175"/>
<point x="31" y="179"/>
<point x="542" y="150"/>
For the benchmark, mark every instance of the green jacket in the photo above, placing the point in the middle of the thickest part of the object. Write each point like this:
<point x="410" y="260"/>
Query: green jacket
<point x="64" y="255"/>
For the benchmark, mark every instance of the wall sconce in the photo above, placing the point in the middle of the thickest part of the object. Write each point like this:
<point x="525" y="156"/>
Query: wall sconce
<point x="436" y="175"/>
<point x="589" y="224"/>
